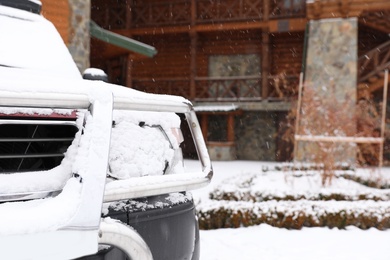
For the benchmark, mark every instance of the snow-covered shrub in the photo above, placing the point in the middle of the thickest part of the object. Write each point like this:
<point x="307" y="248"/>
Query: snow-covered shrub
<point x="295" y="214"/>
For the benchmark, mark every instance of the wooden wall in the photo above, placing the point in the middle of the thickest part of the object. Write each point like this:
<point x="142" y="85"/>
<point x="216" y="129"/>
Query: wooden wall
<point x="174" y="52"/>
<point x="369" y="38"/>
<point x="172" y="60"/>
<point x="286" y="53"/>
<point x="58" y="12"/>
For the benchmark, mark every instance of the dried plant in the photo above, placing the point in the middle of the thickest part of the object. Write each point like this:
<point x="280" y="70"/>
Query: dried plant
<point x="332" y="115"/>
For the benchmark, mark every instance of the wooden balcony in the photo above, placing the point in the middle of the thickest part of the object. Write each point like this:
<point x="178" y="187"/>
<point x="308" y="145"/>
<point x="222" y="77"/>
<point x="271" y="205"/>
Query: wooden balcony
<point x="120" y="14"/>
<point x="243" y="88"/>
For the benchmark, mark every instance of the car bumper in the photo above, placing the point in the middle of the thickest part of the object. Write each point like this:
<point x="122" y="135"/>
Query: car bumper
<point x="168" y="226"/>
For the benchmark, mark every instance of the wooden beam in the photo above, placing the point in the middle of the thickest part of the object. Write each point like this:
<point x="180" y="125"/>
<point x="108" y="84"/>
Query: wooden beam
<point x="153" y="30"/>
<point x="193" y="12"/>
<point x="294" y="24"/>
<point x="231" y="26"/>
<point x="128" y="17"/>
<point x="193" y="50"/>
<point x="196" y="28"/>
<point x="193" y="67"/>
<point x="265" y="63"/>
<point x="339" y="139"/>
<point x="321" y="9"/>
<point x="266" y="5"/>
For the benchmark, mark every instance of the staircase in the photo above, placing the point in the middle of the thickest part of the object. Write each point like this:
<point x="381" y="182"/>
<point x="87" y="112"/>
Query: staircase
<point x="371" y="67"/>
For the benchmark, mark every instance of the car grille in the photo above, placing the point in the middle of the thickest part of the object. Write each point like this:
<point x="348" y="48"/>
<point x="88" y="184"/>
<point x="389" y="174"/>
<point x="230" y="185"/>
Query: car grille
<point x="34" y="144"/>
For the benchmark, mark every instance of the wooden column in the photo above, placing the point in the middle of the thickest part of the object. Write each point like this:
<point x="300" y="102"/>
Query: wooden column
<point x="128" y="70"/>
<point x="193" y="47"/>
<point x="128" y="16"/>
<point x="230" y="127"/>
<point x="205" y="126"/>
<point x="265" y="52"/>
<point x="194" y="43"/>
<point x="264" y="63"/>
<point x="129" y="61"/>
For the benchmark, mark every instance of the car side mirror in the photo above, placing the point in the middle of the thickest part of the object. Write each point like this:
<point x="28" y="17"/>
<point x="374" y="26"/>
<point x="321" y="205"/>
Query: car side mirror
<point x="95" y="74"/>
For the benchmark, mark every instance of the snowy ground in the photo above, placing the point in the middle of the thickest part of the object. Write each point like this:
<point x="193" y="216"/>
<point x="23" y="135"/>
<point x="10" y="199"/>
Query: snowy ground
<point x="266" y="242"/>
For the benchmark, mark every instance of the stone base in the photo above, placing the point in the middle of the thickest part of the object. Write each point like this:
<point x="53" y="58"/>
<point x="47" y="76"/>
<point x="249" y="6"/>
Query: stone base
<point x="222" y="151"/>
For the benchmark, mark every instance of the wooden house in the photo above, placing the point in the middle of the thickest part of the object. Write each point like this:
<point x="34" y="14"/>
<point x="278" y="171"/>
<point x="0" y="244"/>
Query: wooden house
<point x="237" y="61"/>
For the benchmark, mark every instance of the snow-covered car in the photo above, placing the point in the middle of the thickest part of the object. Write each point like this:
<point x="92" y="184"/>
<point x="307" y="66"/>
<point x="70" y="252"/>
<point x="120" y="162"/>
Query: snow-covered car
<point x="88" y="169"/>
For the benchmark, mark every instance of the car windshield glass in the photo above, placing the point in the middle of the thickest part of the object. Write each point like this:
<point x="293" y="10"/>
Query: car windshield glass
<point x="30" y="42"/>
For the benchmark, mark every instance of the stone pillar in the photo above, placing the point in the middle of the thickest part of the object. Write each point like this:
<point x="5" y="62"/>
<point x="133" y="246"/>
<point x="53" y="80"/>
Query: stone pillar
<point x="79" y="38"/>
<point x="329" y="91"/>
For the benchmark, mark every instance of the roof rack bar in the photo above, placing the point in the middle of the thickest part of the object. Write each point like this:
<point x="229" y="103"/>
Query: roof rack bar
<point x="45" y="100"/>
<point x="13" y="139"/>
<point x="37" y="155"/>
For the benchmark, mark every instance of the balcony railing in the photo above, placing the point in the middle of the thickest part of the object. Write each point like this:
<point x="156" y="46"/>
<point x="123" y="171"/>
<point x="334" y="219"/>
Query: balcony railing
<point x="171" y="86"/>
<point x="374" y="62"/>
<point x="222" y="10"/>
<point x="161" y="13"/>
<point x="229" y="88"/>
<point x="242" y="88"/>
<point x="122" y="14"/>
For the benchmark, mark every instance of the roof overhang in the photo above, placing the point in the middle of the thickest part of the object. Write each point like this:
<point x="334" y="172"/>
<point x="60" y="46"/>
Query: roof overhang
<point x="121" y="41"/>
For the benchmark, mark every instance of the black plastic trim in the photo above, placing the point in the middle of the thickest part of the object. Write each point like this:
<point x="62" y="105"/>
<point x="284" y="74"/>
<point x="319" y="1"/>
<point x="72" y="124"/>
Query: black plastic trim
<point x="26" y="5"/>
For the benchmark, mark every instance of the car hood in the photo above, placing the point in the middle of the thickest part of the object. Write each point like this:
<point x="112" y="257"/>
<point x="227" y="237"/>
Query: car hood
<point x="17" y="80"/>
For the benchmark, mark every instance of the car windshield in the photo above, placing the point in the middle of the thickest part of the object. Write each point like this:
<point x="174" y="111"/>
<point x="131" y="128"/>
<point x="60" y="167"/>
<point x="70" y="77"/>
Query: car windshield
<point x="30" y="42"/>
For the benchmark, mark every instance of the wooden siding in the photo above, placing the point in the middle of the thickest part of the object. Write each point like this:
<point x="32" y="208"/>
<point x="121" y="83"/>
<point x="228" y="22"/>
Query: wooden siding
<point x="58" y="12"/>
<point x="369" y="38"/>
<point x="172" y="60"/>
<point x="321" y="9"/>
<point x="287" y="53"/>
